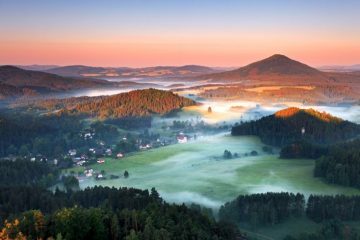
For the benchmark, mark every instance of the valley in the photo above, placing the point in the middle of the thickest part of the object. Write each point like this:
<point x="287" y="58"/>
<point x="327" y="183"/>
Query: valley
<point x="197" y="139"/>
<point x="195" y="172"/>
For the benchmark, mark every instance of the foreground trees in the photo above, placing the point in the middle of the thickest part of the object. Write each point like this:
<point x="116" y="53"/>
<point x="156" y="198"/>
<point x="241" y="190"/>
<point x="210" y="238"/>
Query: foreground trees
<point x="103" y="213"/>
<point x="341" y="165"/>
<point x="272" y="208"/>
<point x="264" y="208"/>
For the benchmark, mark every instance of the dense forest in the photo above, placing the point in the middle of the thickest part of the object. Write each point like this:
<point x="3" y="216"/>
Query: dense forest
<point x="262" y="209"/>
<point x="24" y="133"/>
<point x="28" y="210"/>
<point x="103" y="213"/>
<point x="304" y="149"/>
<point x="345" y="208"/>
<point x="272" y="208"/>
<point x="27" y="135"/>
<point x="294" y="124"/>
<point x="22" y="172"/>
<point x="331" y="230"/>
<point x="132" y="104"/>
<point x="48" y="135"/>
<point x="341" y="165"/>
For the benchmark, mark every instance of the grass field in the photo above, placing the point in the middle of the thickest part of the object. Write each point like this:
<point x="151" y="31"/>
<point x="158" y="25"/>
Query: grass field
<point x="196" y="172"/>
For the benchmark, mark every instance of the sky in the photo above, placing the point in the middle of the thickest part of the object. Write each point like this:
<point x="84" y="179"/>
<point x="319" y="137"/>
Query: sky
<point x="139" y="33"/>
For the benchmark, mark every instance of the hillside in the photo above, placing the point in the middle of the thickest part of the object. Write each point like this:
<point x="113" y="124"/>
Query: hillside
<point x="124" y="72"/>
<point x="277" y="69"/>
<point x="285" y="127"/>
<point x="16" y="81"/>
<point x="134" y="103"/>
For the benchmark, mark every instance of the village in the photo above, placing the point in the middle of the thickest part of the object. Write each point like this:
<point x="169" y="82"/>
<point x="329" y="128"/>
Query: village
<point x="101" y="150"/>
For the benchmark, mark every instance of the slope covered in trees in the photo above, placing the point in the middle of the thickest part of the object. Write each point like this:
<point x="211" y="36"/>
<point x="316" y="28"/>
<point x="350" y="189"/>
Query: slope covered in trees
<point x="25" y="133"/>
<point x="341" y="164"/>
<point x="262" y="209"/>
<point x="104" y="213"/>
<point x="294" y="124"/>
<point x="132" y="104"/>
<point x="22" y="172"/>
<point x="273" y="208"/>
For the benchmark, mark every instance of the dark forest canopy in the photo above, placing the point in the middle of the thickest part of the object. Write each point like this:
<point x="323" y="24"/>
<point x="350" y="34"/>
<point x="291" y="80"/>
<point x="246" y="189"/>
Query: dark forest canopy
<point x="341" y="165"/>
<point x="104" y="213"/>
<point x="135" y="103"/>
<point x="264" y="208"/>
<point x="21" y="133"/>
<point x="330" y="230"/>
<point x="272" y="208"/>
<point x="294" y="124"/>
<point x="26" y="173"/>
<point x="303" y="149"/>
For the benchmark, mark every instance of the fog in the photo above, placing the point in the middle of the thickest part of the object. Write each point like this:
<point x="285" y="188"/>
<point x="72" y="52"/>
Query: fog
<point x="196" y="172"/>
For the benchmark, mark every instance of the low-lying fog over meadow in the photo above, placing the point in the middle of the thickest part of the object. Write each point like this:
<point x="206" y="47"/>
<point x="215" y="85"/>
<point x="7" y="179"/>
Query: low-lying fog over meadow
<point x="197" y="171"/>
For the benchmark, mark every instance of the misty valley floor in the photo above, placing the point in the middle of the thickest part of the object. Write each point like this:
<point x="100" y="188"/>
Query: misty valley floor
<point x="196" y="172"/>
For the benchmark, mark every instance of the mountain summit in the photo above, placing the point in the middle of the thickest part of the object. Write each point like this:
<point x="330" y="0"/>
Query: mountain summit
<point x="278" y="68"/>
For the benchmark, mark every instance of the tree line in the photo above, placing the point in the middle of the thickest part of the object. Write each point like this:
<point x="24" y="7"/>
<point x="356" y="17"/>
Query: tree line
<point x="292" y="124"/>
<point x="336" y="163"/>
<point x="263" y="208"/>
<point x="341" y="165"/>
<point x="103" y="213"/>
<point x="22" y="133"/>
<point x="136" y="103"/>
<point x="272" y="208"/>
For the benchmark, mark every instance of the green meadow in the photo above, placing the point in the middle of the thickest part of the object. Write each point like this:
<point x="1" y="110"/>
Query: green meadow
<point x="197" y="172"/>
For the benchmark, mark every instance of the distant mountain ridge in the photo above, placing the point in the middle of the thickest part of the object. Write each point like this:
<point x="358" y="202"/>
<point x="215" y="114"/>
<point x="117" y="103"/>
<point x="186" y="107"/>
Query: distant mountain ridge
<point x="16" y="82"/>
<point x="126" y="72"/>
<point x="340" y="68"/>
<point x="36" y="67"/>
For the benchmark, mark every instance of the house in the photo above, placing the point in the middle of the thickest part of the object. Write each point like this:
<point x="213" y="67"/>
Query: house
<point x="88" y="135"/>
<point x="100" y="161"/>
<point x="81" y="163"/>
<point x="72" y="152"/>
<point x="119" y="155"/>
<point x="182" y="138"/>
<point x="108" y="152"/>
<point x="89" y="172"/>
<point x="144" y="146"/>
<point x="97" y="151"/>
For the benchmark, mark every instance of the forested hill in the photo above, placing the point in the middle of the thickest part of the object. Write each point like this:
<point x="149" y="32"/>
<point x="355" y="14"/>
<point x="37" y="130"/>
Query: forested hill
<point x="286" y="126"/>
<point x="135" y="103"/>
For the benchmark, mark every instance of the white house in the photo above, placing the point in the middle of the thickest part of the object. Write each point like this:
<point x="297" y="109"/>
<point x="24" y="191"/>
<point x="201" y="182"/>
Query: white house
<point x="181" y="138"/>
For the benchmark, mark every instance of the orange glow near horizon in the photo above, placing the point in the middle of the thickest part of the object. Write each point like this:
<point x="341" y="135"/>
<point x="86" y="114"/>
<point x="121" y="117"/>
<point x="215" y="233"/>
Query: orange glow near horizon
<point x="140" y="51"/>
<point x="151" y="33"/>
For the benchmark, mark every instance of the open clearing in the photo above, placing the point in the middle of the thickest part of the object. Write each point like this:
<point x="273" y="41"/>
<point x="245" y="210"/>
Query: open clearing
<point x="197" y="172"/>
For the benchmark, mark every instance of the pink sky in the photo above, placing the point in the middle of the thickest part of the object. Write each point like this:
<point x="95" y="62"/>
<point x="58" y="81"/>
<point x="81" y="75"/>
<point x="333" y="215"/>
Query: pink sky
<point x="150" y="51"/>
<point x="149" y="33"/>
